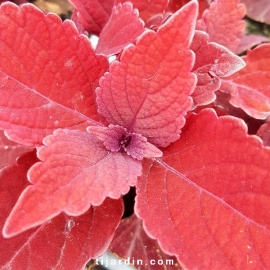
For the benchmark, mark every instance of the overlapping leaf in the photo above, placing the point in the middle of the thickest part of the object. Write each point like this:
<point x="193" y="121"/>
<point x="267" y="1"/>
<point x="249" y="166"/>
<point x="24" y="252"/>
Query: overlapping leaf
<point x="94" y="14"/>
<point x="174" y="5"/>
<point x="114" y="36"/>
<point x="46" y="80"/>
<point x="207" y="199"/>
<point x="10" y="150"/>
<point x="132" y="243"/>
<point x="213" y="62"/>
<point x="148" y="8"/>
<point x="78" y="23"/>
<point x="250" y="87"/>
<point x="249" y="41"/>
<point x="223" y="22"/>
<point x="223" y="106"/>
<point x="264" y="133"/>
<point x="148" y="91"/>
<point x="62" y="243"/>
<point x="77" y="171"/>
<point x="258" y="10"/>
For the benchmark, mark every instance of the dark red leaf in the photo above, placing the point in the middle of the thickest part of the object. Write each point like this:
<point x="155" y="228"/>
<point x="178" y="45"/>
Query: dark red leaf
<point x="131" y="243"/>
<point x="250" y="87"/>
<point x="148" y="8"/>
<point x="10" y="150"/>
<point x="223" y="22"/>
<point x="46" y="80"/>
<point x="76" y="171"/>
<point x="156" y="21"/>
<point x="213" y="62"/>
<point x="148" y="91"/>
<point x="62" y="243"/>
<point x="258" y="10"/>
<point x="18" y="2"/>
<point x="93" y="14"/>
<point x="174" y="5"/>
<point x="115" y="36"/>
<point x="206" y="200"/>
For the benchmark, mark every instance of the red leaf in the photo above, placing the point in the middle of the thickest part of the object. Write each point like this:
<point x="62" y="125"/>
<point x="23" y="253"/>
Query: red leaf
<point x="250" y="87"/>
<point x="223" y="22"/>
<point x="10" y="150"/>
<point x="206" y="200"/>
<point x="148" y="8"/>
<point x="174" y="5"/>
<point x="258" y="10"/>
<point x="77" y="171"/>
<point x="93" y="14"/>
<point x="46" y="80"/>
<point x="114" y="36"/>
<point x="62" y="243"/>
<point x="133" y="244"/>
<point x="148" y="91"/>
<point x="213" y="62"/>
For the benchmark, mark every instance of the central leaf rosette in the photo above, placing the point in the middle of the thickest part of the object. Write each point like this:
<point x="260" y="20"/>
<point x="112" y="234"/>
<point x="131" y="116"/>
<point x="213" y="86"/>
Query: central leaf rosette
<point x="117" y="139"/>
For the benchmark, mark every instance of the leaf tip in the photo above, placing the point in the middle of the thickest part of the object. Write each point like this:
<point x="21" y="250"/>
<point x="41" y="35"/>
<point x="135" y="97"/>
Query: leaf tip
<point x="9" y="230"/>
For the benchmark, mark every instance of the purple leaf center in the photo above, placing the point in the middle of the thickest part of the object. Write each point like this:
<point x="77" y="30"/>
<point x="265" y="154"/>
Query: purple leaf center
<point x="117" y="139"/>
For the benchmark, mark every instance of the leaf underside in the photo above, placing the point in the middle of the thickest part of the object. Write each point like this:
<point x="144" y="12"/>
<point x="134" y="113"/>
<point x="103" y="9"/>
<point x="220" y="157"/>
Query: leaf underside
<point x="213" y="62"/>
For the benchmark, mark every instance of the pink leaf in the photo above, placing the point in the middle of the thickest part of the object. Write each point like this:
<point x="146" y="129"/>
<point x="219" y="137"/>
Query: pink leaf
<point x="117" y="138"/>
<point x="10" y="150"/>
<point x="78" y="23"/>
<point x="249" y="41"/>
<point x="258" y="10"/>
<point x="250" y="87"/>
<point x="148" y="91"/>
<point x="213" y="62"/>
<point x="76" y="171"/>
<point x="115" y="36"/>
<point x="46" y="80"/>
<point x="133" y="244"/>
<point x="62" y="243"/>
<point x="264" y="133"/>
<point x="148" y="8"/>
<point x="206" y="200"/>
<point x="223" y="22"/>
<point x="93" y="14"/>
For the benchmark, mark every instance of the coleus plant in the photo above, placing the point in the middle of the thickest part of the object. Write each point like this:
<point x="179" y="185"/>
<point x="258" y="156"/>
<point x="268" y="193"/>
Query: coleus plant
<point x="88" y="130"/>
